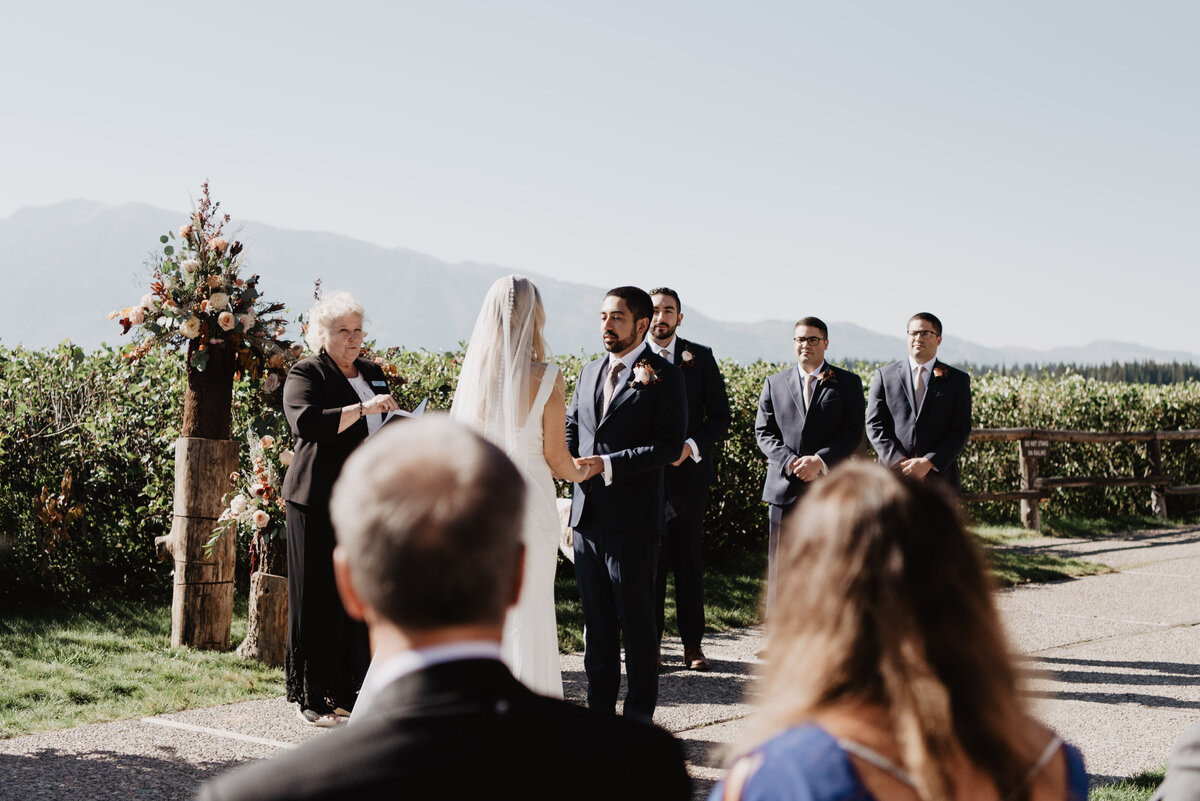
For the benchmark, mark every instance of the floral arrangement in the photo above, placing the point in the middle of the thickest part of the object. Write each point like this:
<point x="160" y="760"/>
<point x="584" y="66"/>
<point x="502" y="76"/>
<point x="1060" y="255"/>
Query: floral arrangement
<point x="197" y="298"/>
<point x="686" y="359"/>
<point x="643" y="374"/>
<point x="827" y="376"/>
<point x="256" y="504"/>
<point x="938" y="371"/>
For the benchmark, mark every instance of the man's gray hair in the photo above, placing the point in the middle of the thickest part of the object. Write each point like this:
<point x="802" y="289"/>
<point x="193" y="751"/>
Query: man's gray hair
<point x="430" y="514"/>
<point x="332" y="306"/>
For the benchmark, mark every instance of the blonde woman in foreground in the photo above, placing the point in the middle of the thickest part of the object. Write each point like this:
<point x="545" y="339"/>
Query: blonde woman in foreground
<point x="889" y="676"/>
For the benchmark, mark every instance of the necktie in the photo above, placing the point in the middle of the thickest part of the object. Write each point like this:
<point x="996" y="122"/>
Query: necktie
<point x="919" y="386"/>
<point x="610" y="385"/>
<point x="809" y="380"/>
<point x="666" y="354"/>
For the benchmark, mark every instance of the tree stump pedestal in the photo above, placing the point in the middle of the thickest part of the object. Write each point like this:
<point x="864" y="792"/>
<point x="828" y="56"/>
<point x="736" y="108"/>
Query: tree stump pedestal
<point x="266" y="630"/>
<point x="202" y="605"/>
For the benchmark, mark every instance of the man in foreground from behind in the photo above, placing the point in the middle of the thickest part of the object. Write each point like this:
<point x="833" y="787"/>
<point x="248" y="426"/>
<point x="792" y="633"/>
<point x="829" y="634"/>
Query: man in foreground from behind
<point x="428" y="521"/>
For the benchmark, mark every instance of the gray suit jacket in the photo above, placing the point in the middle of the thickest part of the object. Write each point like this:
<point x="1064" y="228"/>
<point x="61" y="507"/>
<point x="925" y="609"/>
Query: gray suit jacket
<point x="938" y="432"/>
<point x="832" y="428"/>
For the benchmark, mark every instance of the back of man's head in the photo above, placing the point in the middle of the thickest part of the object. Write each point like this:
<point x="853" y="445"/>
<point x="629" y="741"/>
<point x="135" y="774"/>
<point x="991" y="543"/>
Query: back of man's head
<point x="429" y="516"/>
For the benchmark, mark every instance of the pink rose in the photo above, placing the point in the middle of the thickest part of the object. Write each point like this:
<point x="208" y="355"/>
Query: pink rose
<point x="226" y="321"/>
<point x="261" y="518"/>
<point x="137" y="315"/>
<point x="247" y="320"/>
<point x="271" y="383"/>
<point x="285" y="458"/>
<point x="267" y="441"/>
<point x="186" y="230"/>
<point x="218" y="244"/>
<point x="214" y="282"/>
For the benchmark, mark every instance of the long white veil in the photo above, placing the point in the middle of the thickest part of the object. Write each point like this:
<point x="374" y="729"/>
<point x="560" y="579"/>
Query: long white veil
<point x="494" y="391"/>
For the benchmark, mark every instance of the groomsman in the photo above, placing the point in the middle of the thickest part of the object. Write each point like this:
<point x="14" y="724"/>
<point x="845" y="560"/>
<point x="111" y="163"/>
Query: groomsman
<point x="688" y="477"/>
<point x="810" y="418"/>
<point x="919" y="413"/>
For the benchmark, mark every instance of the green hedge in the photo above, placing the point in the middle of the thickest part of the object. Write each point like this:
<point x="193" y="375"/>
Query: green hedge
<point x="112" y="425"/>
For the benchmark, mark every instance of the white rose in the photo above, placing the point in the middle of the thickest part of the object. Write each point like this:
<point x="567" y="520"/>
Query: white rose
<point x="147" y="301"/>
<point x="247" y="320"/>
<point x="261" y="519"/>
<point x="687" y="356"/>
<point x="641" y="375"/>
<point x="218" y="300"/>
<point x="189" y="266"/>
<point x="190" y="328"/>
<point x="238" y="504"/>
<point x="226" y="321"/>
<point x="285" y="458"/>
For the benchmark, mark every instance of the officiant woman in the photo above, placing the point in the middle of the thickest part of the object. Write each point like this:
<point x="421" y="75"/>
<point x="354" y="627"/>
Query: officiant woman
<point x="333" y="400"/>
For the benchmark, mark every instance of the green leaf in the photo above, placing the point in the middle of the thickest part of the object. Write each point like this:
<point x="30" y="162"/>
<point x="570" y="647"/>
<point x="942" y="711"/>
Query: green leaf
<point x="169" y="250"/>
<point x="200" y="360"/>
<point x="163" y="239"/>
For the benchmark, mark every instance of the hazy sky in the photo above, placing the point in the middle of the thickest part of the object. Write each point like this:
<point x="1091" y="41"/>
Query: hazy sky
<point x="1026" y="170"/>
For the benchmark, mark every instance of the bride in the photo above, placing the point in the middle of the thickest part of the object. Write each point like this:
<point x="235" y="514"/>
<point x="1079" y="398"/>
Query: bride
<point x="510" y="393"/>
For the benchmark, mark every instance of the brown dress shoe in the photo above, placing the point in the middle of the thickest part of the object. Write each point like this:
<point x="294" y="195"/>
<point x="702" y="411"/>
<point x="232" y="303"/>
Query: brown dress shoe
<point x="693" y="659"/>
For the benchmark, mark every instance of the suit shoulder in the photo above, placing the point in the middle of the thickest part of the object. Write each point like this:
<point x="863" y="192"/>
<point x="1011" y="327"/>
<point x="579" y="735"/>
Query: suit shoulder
<point x="782" y="375"/>
<point x="843" y="374"/>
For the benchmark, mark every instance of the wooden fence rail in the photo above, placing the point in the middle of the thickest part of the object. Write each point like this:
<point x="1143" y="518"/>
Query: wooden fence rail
<point x="1034" y="443"/>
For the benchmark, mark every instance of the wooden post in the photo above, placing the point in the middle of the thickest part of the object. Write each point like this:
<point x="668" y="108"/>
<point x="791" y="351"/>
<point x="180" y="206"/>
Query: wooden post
<point x="266" y="631"/>
<point x="1158" y="497"/>
<point x="202" y="606"/>
<point x="1029" y="453"/>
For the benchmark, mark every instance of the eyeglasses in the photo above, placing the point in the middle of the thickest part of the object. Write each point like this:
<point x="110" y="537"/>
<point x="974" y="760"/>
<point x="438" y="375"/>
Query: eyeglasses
<point x="808" y="340"/>
<point x="921" y="334"/>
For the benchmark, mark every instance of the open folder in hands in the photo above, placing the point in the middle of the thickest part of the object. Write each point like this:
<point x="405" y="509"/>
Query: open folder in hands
<point x="400" y="414"/>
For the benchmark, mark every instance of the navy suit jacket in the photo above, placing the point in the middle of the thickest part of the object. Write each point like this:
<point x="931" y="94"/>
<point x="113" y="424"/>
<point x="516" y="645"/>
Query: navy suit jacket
<point x="468" y="729"/>
<point x="938" y="433"/>
<point x="707" y="413"/>
<point x="641" y="433"/>
<point x="832" y="428"/>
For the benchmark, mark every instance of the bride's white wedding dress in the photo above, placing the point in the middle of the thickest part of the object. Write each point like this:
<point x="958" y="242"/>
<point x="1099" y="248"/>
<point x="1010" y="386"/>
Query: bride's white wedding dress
<point x="530" y="644"/>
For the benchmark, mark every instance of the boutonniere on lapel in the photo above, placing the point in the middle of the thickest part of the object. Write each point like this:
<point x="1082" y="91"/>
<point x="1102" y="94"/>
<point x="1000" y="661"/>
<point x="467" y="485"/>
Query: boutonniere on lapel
<point x="686" y="359"/>
<point x="827" y="376"/>
<point x="939" y="371"/>
<point x="644" y="375"/>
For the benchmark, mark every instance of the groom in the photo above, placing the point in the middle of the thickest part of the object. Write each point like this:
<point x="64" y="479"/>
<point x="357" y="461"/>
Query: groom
<point x="627" y="421"/>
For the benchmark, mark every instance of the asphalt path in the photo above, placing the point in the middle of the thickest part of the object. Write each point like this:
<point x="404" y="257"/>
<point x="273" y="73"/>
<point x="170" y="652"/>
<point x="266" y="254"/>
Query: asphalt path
<point x="1111" y="663"/>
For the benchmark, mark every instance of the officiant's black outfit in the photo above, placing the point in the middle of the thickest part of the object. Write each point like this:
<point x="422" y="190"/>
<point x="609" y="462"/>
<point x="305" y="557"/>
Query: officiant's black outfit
<point x="327" y="651"/>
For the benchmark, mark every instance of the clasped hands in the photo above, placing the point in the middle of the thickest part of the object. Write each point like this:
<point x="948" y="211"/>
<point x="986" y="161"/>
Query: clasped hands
<point x="590" y="465"/>
<point x="916" y="467"/>
<point x="807" y="468"/>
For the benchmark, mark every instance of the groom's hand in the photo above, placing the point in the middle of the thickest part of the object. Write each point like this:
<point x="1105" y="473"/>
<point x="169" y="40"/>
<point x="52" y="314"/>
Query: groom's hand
<point x="687" y="454"/>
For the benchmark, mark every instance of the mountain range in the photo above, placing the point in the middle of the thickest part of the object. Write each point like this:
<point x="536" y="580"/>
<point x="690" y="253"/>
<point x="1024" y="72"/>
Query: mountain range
<point x="67" y="265"/>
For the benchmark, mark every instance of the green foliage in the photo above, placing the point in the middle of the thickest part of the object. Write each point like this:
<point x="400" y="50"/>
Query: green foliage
<point x="111" y="424"/>
<point x="1135" y="788"/>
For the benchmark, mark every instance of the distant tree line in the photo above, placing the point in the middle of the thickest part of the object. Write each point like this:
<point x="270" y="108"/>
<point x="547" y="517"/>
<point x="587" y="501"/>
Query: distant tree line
<point x="1148" y="372"/>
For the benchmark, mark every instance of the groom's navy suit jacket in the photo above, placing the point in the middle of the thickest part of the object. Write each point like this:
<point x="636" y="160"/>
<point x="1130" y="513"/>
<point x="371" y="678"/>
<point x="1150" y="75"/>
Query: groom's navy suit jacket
<point x="469" y="729"/>
<point x="938" y="433"/>
<point x="832" y="428"/>
<point x="642" y="432"/>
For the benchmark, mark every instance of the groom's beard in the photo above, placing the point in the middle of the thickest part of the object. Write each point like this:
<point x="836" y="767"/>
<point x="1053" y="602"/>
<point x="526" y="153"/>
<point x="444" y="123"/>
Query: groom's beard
<point x="620" y="345"/>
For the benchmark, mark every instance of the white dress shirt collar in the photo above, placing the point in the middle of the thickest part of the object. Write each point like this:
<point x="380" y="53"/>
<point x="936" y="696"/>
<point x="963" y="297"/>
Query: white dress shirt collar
<point x="406" y="662"/>
<point x="669" y="348"/>
<point x="629" y="359"/>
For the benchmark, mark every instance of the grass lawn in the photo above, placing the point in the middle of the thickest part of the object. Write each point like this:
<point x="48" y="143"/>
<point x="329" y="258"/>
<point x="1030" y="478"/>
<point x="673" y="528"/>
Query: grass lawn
<point x="1135" y="788"/>
<point x="1012" y="563"/>
<point x="110" y="660"/>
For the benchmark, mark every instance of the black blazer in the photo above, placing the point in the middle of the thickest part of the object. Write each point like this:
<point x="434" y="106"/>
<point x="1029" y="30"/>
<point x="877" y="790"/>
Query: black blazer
<point x="641" y="433"/>
<point x="313" y="397"/>
<point x="469" y="730"/>
<point x="707" y="413"/>
<point x="832" y="428"/>
<point x="938" y="433"/>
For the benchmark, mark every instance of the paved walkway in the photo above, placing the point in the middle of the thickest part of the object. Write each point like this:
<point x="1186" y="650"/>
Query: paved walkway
<point x="1112" y="663"/>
